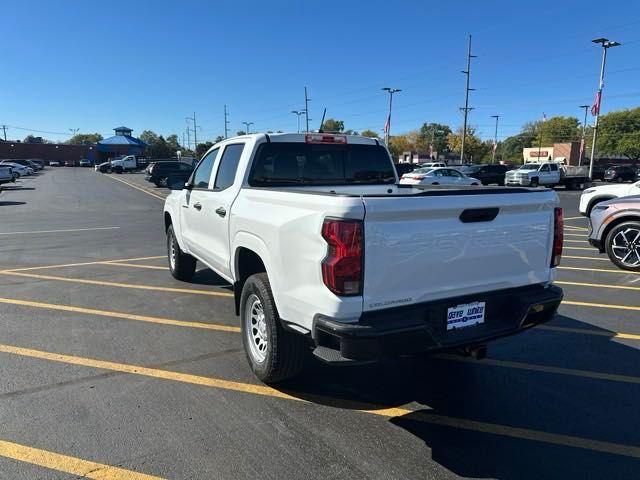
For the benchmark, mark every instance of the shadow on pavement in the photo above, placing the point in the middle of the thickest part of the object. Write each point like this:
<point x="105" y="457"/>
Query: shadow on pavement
<point x="205" y="276"/>
<point x="448" y="396"/>
<point x="17" y="187"/>
<point x="6" y="204"/>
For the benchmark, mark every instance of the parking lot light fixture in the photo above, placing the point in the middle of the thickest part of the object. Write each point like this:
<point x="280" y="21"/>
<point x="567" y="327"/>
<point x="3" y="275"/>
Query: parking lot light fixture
<point x="387" y="125"/>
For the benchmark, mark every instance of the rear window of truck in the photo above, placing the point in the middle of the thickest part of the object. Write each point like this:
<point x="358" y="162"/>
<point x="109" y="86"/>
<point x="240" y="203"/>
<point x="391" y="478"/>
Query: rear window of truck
<point x="282" y="164"/>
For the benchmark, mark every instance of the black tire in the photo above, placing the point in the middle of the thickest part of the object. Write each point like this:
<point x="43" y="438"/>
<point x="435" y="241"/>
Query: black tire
<point x="118" y="169"/>
<point x="634" y="227"/>
<point x="182" y="265"/>
<point x="535" y="182"/>
<point x="619" y="179"/>
<point x="284" y="352"/>
<point x="163" y="182"/>
<point x="108" y="170"/>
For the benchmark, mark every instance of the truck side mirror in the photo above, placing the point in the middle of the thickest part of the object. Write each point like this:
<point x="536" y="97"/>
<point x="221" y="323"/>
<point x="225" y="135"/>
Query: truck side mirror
<point x="177" y="183"/>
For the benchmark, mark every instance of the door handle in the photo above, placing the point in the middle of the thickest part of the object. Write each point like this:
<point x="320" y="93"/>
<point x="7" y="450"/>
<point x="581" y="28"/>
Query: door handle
<point x="197" y="206"/>
<point x="221" y="211"/>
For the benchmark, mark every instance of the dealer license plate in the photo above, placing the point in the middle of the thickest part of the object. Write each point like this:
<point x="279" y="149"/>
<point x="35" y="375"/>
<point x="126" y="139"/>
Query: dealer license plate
<point x="465" y="315"/>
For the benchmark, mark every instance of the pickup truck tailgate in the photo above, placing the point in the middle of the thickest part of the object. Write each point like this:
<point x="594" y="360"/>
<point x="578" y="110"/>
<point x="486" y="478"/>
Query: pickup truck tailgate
<point x="421" y="248"/>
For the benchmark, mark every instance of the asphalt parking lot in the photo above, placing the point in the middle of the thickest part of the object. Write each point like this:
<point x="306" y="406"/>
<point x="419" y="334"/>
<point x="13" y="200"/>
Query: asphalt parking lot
<point x="112" y="369"/>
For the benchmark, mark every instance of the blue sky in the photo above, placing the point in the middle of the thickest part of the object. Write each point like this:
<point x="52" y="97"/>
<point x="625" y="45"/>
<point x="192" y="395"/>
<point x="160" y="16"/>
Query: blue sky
<point x="149" y="64"/>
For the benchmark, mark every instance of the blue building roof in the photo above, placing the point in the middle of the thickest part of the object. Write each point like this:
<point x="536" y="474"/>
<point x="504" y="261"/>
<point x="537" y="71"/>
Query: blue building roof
<point x="123" y="140"/>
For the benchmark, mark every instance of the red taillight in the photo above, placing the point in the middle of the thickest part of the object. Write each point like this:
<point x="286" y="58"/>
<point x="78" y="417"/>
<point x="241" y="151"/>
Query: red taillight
<point x="324" y="138"/>
<point x="342" y="267"/>
<point x="558" y="236"/>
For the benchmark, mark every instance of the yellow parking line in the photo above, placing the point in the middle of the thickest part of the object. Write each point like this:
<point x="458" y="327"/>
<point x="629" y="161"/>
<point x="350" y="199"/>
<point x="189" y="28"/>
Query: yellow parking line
<point x="541" y="368"/>
<point x="137" y="188"/>
<point x="600" y="305"/>
<point x="591" y="249"/>
<point x="576" y="235"/>
<point x="570" y="240"/>
<point x="135" y="265"/>
<point x="423" y="416"/>
<point x="589" y="331"/>
<point x="60" y="231"/>
<point x="116" y="284"/>
<point x="576" y="229"/>
<point x="586" y="258"/>
<point x="575" y="218"/>
<point x="606" y="270"/>
<point x="43" y="267"/>
<point x="65" y="463"/>
<point x="598" y="285"/>
<point x="126" y="316"/>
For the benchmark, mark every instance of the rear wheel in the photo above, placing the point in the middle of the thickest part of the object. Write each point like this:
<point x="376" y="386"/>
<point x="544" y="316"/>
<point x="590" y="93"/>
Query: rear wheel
<point x="623" y="246"/>
<point x="182" y="265"/>
<point x="535" y="182"/>
<point x="273" y="353"/>
<point x="619" y="179"/>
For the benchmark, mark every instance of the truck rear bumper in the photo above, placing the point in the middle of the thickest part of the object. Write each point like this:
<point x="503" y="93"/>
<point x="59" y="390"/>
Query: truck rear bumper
<point x="423" y="327"/>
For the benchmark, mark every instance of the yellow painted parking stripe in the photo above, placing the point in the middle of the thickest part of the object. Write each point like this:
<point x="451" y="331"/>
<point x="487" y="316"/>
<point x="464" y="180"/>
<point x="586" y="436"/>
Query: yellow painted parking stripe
<point x="605" y="270"/>
<point x="423" y="416"/>
<point x="601" y="259"/>
<point x="575" y="218"/>
<point x="126" y="316"/>
<point x="96" y="262"/>
<point x="135" y="265"/>
<point x="571" y="240"/>
<point x="600" y="305"/>
<point x="576" y="229"/>
<point x="589" y="331"/>
<point x="591" y="249"/>
<point x="575" y="235"/>
<point x="137" y="187"/>
<point x="117" y="284"/>
<point x="67" y="464"/>
<point x="598" y="285"/>
<point x="61" y="231"/>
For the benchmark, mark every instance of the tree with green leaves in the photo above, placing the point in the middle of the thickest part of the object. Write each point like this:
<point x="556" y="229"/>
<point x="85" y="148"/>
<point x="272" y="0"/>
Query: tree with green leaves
<point x="84" y="138"/>
<point x="510" y="149"/>
<point x="332" y="125"/>
<point x="474" y="148"/>
<point x="240" y="133"/>
<point x="369" y="133"/>
<point x="619" y="134"/>
<point x="554" y="130"/>
<point x="34" y="139"/>
<point x="219" y="138"/>
<point x="433" y="132"/>
<point x="202" y="148"/>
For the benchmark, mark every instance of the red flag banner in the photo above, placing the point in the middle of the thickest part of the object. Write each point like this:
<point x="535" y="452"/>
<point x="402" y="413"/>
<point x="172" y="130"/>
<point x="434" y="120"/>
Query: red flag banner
<point x="581" y="149"/>
<point x="595" y="108"/>
<point x="387" y="124"/>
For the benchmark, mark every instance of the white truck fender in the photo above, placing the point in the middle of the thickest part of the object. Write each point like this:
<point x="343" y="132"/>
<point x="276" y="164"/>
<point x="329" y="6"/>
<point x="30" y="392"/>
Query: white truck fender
<point x="172" y="216"/>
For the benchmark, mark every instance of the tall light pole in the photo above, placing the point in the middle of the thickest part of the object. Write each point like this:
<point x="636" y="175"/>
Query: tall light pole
<point x="298" y="113"/>
<point x="495" y="139"/>
<point x="306" y="109"/>
<point x="248" y="125"/>
<point x="595" y="110"/>
<point x="584" y="131"/>
<point x="72" y="130"/>
<point x="466" y="107"/>
<point x="387" y="130"/>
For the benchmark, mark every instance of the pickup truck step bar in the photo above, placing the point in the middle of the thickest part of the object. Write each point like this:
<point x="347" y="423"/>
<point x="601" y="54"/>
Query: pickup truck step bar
<point x="331" y="356"/>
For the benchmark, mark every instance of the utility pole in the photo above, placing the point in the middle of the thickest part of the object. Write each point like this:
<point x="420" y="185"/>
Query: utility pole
<point x="4" y="130"/>
<point x="387" y="125"/>
<point x="595" y="110"/>
<point x="306" y="109"/>
<point x="188" y="139"/>
<point x="195" y="135"/>
<point x="495" y="139"/>
<point x="584" y="131"/>
<point x="183" y="144"/>
<point x="73" y="131"/>
<point x="248" y="126"/>
<point x="466" y="107"/>
<point x="226" y="122"/>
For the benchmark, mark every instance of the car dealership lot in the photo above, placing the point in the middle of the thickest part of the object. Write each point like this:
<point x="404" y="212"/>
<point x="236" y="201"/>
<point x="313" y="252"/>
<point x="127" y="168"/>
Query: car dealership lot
<point x="111" y="366"/>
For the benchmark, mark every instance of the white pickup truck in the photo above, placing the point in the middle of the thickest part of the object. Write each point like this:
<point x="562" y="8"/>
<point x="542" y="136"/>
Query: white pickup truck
<point x="549" y="174"/>
<point x="326" y="252"/>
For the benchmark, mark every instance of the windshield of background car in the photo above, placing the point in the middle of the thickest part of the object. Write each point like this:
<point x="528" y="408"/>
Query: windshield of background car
<point x="423" y="170"/>
<point x="280" y="164"/>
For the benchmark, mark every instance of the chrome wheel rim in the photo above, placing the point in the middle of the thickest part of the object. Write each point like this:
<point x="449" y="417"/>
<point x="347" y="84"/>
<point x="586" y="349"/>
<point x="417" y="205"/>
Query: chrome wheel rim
<point x="256" y="328"/>
<point x="626" y="246"/>
<point x="172" y="253"/>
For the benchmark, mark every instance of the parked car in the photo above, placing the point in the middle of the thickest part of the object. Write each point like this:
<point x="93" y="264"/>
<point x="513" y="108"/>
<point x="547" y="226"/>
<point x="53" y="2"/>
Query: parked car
<point x="615" y="229"/>
<point x="437" y="176"/>
<point x="6" y="174"/>
<point x="402" y="168"/>
<point x="85" y="162"/>
<point x="487" y="174"/>
<point x="308" y="227"/>
<point x="159" y="172"/>
<point x="54" y="163"/>
<point x="25" y="163"/>
<point x="69" y="163"/>
<point x="36" y="164"/>
<point x="620" y="173"/>
<point x="18" y="169"/>
<point x="595" y="195"/>
<point x="432" y="165"/>
<point x="549" y="174"/>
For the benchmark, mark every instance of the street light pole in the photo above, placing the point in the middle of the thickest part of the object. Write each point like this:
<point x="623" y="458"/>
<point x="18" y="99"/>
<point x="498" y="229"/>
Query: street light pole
<point x="387" y="133"/>
<point x="248" y="125"/>
<point x="298" y="113"/>
<point x="595" y="110"/>
<point x="584" y="131"/>
<point x="466" y="107"/>
<point x="495" y="139"/>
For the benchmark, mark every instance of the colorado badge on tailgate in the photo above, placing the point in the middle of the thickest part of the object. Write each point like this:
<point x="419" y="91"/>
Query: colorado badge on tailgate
<point x="465" y="315"/>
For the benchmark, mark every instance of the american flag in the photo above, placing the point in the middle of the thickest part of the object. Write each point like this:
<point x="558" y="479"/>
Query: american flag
<point x="581" y="149"/>
<point x="544" y="117"/>
<point x="595" y="108"/>
<point x="387" y="125"/>
<point x="495" y="146"/>
<point x="431" y="150"/>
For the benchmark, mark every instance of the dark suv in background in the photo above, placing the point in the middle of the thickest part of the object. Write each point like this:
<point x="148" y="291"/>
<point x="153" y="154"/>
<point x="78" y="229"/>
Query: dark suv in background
<point x="620" y="173"/>
<point x="487" y="174"/>
<point x="159" y="172"/>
